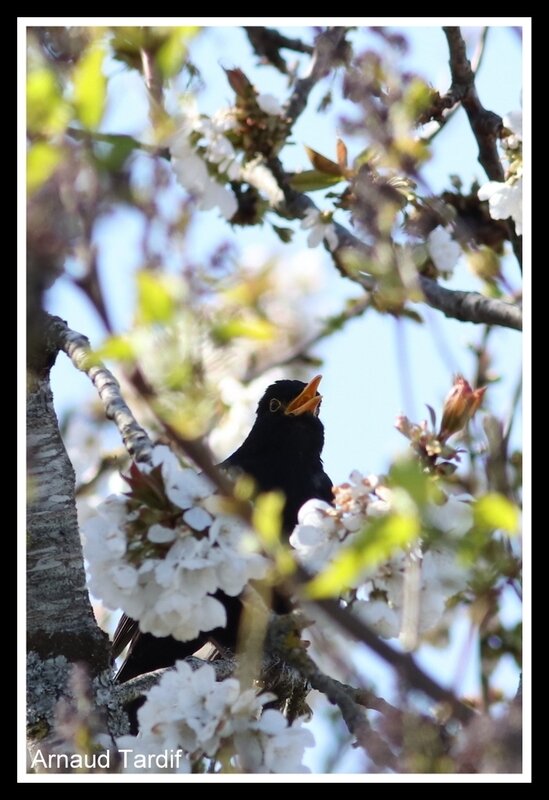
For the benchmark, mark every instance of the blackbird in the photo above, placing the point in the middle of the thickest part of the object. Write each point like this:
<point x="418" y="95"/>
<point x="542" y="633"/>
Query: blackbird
<point x="282" y="451"/>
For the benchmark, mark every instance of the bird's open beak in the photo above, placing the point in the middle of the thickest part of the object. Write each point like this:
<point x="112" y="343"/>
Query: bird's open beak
<point x="308" y="400"/>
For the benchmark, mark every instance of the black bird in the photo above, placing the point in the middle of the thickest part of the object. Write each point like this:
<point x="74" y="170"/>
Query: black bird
<point x="282" y="451"/>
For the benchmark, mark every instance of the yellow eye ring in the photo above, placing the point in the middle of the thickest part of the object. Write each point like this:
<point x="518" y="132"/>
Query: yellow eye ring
<point x="274" y="405"/>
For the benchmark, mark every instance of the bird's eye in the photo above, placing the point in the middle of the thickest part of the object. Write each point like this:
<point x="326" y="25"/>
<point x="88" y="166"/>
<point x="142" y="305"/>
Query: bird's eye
<point x="275" y="404"/>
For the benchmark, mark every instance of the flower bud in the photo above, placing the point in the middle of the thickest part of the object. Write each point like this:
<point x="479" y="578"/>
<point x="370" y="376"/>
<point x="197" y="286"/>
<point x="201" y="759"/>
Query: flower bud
<point x="460" y="406"/>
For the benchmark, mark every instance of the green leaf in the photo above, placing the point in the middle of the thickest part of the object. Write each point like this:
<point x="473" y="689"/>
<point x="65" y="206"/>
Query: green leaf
<point x="47" y="112"/>
<point x="90" y="88"/>
<point x="377" y="543"/>
<point x="495" y="512"/>
<point x="312" y="179"/>
<point x="112" y="155"/>
<point x="155" y="301"/>
<point x="417" y="98"/>
<point x="42" y="159"/>
<point x="267" y="517"/>
<point x="117" y="348"/>
<point x="407" y="474"/>
<point x="171" y="53"/>
<point x="257" y="328"/>
<point x="284" y="234"/>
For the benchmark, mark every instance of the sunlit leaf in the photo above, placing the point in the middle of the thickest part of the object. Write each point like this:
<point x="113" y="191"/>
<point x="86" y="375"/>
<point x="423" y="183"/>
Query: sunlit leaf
<point x="495" y="512"/>
<point x="312" y="179"/>
<point x="417" y="98"/>
<point x="156" y="302"/>
<point x="377" y="543"/>
<point x="117" y="348"/>
<point x="267" y="516"/>
<point x="171" y="53"/>
<point x="90" y="88"/>
<point x="42" y="159"/>
<point x="47" y="112"/>
<point x="259" y="329"/>
<point x="126" y="44"/>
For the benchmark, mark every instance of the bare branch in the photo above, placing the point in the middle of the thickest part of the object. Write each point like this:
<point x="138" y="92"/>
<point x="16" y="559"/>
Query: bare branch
<point x="403" y="663"/>
<point x="486" y="125"/>
<point x="471" y="306"/>
<point x="444" y="107"/>
<point x="77" y="347"/>
<point x="281" y="641"/>
<point x="325" y="53"/>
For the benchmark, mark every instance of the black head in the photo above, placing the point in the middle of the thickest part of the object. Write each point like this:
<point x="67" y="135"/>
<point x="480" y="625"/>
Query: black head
<point x="283" y="449"/>
<point x="288" y="414"/>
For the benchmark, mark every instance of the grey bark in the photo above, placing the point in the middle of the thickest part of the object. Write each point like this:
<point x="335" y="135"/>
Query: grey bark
<point x="61" y="627"/>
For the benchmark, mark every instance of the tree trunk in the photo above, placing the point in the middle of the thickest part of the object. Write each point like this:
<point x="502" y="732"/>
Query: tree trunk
<point x="61" y="627"/>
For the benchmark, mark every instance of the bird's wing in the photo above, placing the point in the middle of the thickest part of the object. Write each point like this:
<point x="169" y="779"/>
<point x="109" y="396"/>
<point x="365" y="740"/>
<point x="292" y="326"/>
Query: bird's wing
<point x="125" y="631"/>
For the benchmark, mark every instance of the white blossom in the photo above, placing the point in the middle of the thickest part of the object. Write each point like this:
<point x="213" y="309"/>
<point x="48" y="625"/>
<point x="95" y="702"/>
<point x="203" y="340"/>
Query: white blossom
<point x="323" y="531"/>
<point x="190" y="711"/>
<point x="504" y="200"/>
<point x="319" y="229"/>
<point x="269" y="104"/>
<point x="257" y="174"/>
<point x="443" y="249"/>
<point x="170" y="588"/>
<point x="192" y="172"/>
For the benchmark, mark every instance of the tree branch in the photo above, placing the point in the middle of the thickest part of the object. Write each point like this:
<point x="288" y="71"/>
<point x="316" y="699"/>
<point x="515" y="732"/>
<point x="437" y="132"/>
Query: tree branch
<point x="486" y="125"/>
<point x="444" y="107"/>
<point x="464" y="306"/>
<point x="282" y="641"/>
<point x="403" y="663"/>
<point x="77" y="347"/>
<point x="471" y="306"/>
<point x="325" y="53"/>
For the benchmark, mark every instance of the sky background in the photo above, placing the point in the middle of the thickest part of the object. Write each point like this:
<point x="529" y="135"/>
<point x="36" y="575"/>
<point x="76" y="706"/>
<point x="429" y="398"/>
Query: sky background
<point x="376" y="367"/>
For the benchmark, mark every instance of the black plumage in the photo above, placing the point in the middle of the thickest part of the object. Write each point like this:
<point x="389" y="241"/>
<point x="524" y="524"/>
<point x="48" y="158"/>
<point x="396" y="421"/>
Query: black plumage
<point x="282" y="451"/>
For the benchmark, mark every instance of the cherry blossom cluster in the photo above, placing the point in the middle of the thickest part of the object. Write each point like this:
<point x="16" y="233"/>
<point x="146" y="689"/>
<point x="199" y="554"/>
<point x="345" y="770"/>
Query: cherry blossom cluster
<point x="204" y="159"/>
<point x="161" y="552"/>
<point x="377" y="594"/>
<point x="191" y="712"/>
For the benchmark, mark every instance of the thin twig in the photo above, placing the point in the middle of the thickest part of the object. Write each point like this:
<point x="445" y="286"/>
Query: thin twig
<point x="77" y="347"/>
<point x="325" y="52"/>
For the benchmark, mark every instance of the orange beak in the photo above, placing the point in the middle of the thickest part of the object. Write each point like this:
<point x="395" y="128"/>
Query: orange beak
<point x="307" y="400"/>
